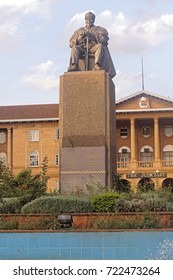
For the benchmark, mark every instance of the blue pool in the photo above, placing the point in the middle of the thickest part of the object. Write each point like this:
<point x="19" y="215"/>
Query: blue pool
<point x="140" y="245"/>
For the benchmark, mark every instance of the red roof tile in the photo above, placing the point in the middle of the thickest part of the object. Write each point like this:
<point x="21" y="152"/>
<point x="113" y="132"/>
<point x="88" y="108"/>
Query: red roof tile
<point x="25" y="112"/>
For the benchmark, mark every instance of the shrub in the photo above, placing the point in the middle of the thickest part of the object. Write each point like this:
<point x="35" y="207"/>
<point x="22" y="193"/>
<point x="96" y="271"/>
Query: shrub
<point x="8" y="225"/>
<point x="24" y="183"/>
<point x="145" y="222"/>
<point x="158" y="204"/>
<point x="120" y="185"/>
<point x="142" y="202"/>
<point x="134" y="205"/>
<point x="13" y="205"/>
<point x="58" y="204"/>
<point x="43" y="223"/>
<point x="104" y="202"/>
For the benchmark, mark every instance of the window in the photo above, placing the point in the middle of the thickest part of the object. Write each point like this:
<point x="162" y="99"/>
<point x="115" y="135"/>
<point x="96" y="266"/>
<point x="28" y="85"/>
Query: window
<point x="168" y="131"/>
<point x="57" y="134"/>
<point x="34" y="135"/>
<point x="3" y="159"/>
<point x="124" y="132"/>
<point x="146" y="154"/>
<point x="168" y="156"/>
<point x="123" y="157"/>
<point x="33" y="159"/>
<point x="57" y="159"/>
<point x="2" y="137"/>
<point x="146" y="131"/>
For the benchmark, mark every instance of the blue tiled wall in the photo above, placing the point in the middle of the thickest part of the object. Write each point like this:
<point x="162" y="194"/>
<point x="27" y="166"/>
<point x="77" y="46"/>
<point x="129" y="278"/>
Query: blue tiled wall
<point x="87" y="245"/>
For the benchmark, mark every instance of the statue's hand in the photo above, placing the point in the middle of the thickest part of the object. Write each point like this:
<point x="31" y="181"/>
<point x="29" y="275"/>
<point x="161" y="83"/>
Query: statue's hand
<point x="102" y="40"/>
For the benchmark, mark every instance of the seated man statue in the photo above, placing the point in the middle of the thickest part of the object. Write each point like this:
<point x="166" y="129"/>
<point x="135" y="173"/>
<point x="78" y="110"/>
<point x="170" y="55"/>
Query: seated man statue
<point x="91" y="39"/>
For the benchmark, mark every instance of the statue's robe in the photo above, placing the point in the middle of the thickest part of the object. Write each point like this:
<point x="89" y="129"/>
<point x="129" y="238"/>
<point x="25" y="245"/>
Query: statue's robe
<point x="101" y="36"/>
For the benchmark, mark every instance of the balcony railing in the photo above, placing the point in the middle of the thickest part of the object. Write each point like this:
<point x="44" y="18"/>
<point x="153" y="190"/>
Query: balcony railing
<point x="139" y="164"/>
<point x="123" y="164"/>
<point x="167" y="163"/>
<point x="145" y="164"/>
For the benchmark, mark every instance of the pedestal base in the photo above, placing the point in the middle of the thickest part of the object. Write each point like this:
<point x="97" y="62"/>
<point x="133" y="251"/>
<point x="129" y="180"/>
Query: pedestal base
<point x="87" y="130"/>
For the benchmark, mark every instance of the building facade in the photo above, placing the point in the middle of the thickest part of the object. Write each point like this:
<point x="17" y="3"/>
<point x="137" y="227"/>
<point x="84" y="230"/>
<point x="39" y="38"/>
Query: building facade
<point x="144" y="139"/>
<point x="28" y="133"/>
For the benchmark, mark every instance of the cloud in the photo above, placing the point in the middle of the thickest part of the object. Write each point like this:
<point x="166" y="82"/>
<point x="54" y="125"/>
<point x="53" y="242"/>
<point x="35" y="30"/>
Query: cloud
<point x="130" y="37"/>
<point x="42" y="77"/>
<point x="12" y="14"/>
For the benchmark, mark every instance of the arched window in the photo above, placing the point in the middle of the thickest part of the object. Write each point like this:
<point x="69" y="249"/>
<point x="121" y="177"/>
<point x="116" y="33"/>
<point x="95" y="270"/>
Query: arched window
<point x="3" y="159"/>
<point x="168" y="155"/>
<point x="146" y="156"/>
<point x="123" y="156"/>
<point x="33" y="159"/>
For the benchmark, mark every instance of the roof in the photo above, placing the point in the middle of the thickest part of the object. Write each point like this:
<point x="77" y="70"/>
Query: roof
<point x="146" y="93"/>
<point x="36" y="112"/>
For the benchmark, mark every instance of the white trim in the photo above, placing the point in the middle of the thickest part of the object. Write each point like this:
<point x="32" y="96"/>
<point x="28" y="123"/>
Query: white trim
<point x="168" y="148"/>
<point x="144" y="110"/>
<point x="29" y="120"/>
<point x="145" y="93"/>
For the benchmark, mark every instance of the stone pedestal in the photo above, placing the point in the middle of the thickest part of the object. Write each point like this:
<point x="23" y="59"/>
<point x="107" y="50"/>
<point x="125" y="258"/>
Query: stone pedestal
<point x="87" y="130"/>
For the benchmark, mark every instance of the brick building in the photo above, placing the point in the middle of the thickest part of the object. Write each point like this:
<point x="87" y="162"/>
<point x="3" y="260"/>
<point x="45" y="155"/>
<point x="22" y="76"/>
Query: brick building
<point x="28" y="133"/>
<point x="144" y="139"/>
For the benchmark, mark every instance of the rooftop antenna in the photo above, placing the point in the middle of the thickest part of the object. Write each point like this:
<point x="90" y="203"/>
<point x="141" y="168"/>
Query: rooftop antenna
<point x="142" y="73"/>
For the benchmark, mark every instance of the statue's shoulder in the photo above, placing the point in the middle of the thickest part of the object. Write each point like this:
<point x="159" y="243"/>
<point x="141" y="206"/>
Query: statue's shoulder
<point x="100" y="29"/>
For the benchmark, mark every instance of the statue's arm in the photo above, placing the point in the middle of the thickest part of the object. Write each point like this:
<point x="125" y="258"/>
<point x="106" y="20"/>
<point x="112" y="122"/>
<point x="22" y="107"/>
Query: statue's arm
<point x="102" y="36"/>
<point x="77" y="38"/>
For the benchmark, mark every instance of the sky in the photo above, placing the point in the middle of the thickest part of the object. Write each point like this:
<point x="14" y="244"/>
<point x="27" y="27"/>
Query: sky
<point x="35" y="52"/>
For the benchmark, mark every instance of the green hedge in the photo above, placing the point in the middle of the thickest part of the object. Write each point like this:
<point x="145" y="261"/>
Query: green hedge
<point x="105" y="202"/>
<point x="13" y="205"/>
<point x="139" y="205"/>
<point x="58" y="204"/>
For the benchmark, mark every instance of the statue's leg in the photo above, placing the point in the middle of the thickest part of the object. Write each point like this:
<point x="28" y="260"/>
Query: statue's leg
<point x="98" y="50"/>
<point x="76" y="52"/>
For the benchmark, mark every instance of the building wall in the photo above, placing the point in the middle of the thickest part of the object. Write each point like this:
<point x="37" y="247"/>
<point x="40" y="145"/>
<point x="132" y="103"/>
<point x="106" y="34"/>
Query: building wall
<point x="18" y="148"/>
<point x="129" y="113"/>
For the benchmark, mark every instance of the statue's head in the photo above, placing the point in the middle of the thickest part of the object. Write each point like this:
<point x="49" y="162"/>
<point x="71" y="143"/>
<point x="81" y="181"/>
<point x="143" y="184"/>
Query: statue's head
<point x="89" y="18"/>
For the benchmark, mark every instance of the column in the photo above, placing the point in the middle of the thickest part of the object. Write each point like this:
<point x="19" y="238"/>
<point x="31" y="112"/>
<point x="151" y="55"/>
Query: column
<point x="133" y="142"/>
<point x="9" y="148"/>
<point x="156" y="140"/>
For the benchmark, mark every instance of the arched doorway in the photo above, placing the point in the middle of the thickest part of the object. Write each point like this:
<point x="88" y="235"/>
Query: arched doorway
<point x="168" y="183"/>
<point x="146" y="184"/>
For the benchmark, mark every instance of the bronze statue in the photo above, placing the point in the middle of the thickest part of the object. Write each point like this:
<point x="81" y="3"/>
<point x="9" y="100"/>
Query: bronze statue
<point x="91" y="39"/>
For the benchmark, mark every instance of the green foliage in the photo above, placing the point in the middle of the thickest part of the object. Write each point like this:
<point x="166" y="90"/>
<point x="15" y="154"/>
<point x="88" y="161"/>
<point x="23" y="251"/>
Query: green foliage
<point x="145" y="222"/>
<point x="120" y="185"/>
<point x="13" y="205"/>
<point x="58" y="204"/>
<point x="94" y="188"/>
<point x="43" y="223"/>
<point x="143" y="202"/>
<point x="24" y="183"/>
<point x="8" y="224"/>
<point x="7" y="182"/>
<point x="146" y="187"/>
<point x="105" y="202"/>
